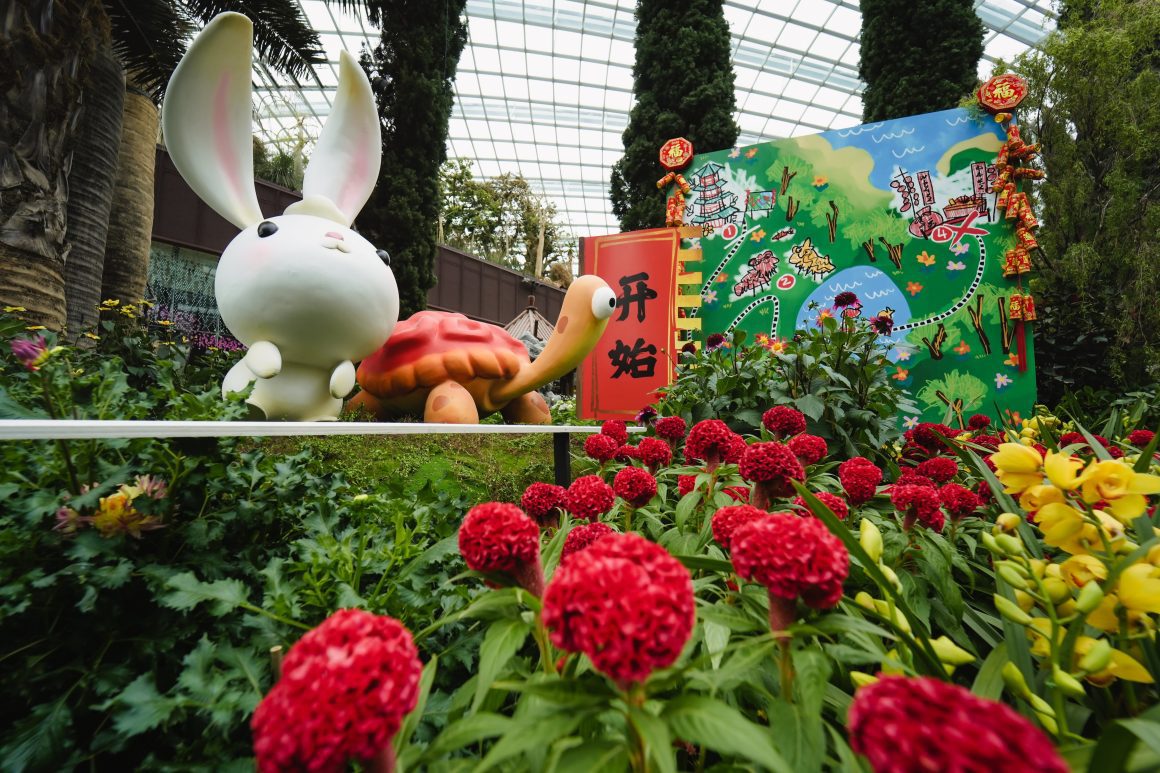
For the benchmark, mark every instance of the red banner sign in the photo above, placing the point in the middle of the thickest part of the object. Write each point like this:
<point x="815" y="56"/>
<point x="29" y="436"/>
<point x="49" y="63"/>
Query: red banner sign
<point x="636" y="355"/>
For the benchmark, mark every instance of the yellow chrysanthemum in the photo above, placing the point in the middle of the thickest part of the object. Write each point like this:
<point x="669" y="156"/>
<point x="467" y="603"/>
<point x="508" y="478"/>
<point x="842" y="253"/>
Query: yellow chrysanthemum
<point x="1120" y="486"/>
<point x="1018" y="467"/>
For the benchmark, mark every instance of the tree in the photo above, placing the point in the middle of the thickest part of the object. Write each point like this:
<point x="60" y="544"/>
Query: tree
<point x="683" y="85"/>
<point x="501" y="220"/>
<point x="1094" y="104"/>
<point x="411" y="72"/>
<point x="917" y="57"/>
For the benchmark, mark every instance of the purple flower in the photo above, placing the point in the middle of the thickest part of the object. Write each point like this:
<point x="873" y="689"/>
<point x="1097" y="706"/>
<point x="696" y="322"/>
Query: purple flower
<point x="647" y="415"/>
<point x="715" y="341"/>
<point x="844" y="299"/>
<point x="32" y="352"/>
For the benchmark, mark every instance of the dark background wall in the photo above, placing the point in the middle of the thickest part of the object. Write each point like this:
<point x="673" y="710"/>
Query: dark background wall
<point x="465" y="284"/>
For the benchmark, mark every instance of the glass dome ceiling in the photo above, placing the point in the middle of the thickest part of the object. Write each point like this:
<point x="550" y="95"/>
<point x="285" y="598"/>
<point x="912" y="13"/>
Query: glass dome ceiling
<point x="544" y="88"/>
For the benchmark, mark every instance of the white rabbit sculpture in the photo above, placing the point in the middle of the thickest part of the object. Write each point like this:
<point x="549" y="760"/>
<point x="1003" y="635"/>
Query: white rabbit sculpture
<point x="307" y="295"/>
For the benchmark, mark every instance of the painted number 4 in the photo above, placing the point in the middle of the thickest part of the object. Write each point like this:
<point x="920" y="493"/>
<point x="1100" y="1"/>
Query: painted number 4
<point x="952" y="233"/>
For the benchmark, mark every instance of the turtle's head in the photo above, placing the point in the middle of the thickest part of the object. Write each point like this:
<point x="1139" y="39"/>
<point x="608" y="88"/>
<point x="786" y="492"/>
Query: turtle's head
<point x="588" y="305"/>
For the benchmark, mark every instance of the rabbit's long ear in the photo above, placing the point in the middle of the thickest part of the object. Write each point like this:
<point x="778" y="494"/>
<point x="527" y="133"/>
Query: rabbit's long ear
<point x="346" y="160"/>
<point x="206" y="119"/>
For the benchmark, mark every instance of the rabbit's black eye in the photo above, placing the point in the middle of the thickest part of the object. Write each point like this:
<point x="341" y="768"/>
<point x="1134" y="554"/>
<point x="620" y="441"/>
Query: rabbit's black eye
<point x="266" y="228"/>
<point x="384" y="256"/>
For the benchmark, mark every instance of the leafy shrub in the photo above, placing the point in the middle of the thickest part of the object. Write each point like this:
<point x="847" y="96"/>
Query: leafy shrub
<point x="835" y="374"/>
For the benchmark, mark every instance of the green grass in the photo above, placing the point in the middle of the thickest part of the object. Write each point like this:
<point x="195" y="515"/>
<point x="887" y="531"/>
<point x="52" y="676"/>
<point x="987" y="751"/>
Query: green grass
<point x="487" y="467"/>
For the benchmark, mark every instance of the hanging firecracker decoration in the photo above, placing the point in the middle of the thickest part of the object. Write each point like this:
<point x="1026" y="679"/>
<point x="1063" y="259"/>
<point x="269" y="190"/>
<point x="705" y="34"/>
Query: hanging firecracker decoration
<point x="999" y="96"/>
<point x="675" y="155"/>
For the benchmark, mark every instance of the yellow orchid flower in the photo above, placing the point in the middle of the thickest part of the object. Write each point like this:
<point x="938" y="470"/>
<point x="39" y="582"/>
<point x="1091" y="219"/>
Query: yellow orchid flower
<point x="1018" y="467"/>
<point x="1106" y="617"/>
<point x="1068" y="529"/>
<point x="1078" y="571"/>
<point x="1037" y="496"/>
<point x="1120" y="486"/>
<point x="1123" y="666"/>
<point x="1063" y="470"/>
<point x="1039" y="629"/>
<point x="1139" y="588"/>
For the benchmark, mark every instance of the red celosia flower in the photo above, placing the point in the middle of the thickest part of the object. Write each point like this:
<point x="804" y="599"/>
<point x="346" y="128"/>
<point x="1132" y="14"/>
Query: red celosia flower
<point x="589" y="497"/>
<point x="940" y="469"/>
<point x="792" y="557"/>
<point x="860" y="478"/>
<point x="917" y="725"/>
<point x="931" y="436"/>
<point x="735" y="450"/>
<point x="908" y="477"/>
<point x="582" y="536"/>
<point x="635" y="486"/>
<point x="1103" y="441"/>
<point x="783" y="421"/>
<point x="686" y="483"/>
<point x="708" y="440"/>
<point x="1071" y="438"/>
<point x="836" y="504"/>
<point x="988" y="441"/>
<point x="1115" y="452"/>
<point x="774" y="465"/>
<point x="602" y="448"/>
<point x="959" y="501"/>
<point x="671" y="428"/>
<point x="1141" y="437"/>
<point x="810" y="449"/>
<point x="1042" y="449"/>
<point x="979" y="422"/>
<point x="654" y="452"/>
<point x="615" y="429"/>
<point x="498" y="537"/>
<point x="918" y="503"/>
<point x="625" y="453"/>
<point x="624" y="602"/>
<point x="543" y="502"/>
<point x="727" y="520"/>
<point x="345" y="688"/>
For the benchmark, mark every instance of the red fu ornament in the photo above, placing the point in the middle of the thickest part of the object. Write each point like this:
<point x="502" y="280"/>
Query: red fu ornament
<point x="1002" y="93"/>
<point x="674" y="156"/>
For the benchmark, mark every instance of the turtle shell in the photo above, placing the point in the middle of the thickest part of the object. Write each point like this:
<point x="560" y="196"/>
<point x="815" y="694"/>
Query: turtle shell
<point x="432" y="347"/>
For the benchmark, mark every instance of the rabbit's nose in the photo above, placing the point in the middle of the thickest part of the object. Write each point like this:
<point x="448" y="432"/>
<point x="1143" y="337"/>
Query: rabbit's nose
<point x="334" y="241"/>
<point x="334" y="235"/>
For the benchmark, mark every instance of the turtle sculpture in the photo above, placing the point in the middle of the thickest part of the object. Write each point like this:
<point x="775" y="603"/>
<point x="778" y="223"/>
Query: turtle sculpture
<point x="455" y="370"/>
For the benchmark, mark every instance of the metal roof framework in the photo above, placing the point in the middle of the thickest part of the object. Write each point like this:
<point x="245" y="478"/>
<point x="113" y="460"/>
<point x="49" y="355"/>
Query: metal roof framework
<point x="544" y="88"/>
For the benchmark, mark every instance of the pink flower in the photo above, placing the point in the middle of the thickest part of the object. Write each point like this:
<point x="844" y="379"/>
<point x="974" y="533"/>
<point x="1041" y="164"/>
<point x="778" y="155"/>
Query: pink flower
<point x="345" y="688"/>
<point x="919" y="725"/>
<point x="589" y="497"/>
<point x="809" y="449"/>
<point x="783" y="421"/>
<point x="635" y="486"/>
<point x="625" y="603"/>
<point x="32" y="352"/>
<point x="792" y="557"/>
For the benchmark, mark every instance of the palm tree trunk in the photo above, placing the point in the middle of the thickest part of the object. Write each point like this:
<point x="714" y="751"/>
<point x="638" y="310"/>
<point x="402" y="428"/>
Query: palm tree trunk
<point x="39" y="101"/>
<point x="131" y="218"/>
<point x="91" y="190"/>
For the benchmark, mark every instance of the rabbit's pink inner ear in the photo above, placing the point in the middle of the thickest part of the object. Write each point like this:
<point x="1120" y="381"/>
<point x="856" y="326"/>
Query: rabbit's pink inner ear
<point x="353" y="192"/>
<point x="226" y="152"/>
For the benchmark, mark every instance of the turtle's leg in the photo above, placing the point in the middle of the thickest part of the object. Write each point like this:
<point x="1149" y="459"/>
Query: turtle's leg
<point x="367" y="402"/>
<point x="451" y="403"/>
<point x="528" y="408"/>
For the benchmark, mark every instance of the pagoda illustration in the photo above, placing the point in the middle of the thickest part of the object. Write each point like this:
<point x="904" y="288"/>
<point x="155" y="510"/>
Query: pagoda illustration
<point x="715" y="206"/>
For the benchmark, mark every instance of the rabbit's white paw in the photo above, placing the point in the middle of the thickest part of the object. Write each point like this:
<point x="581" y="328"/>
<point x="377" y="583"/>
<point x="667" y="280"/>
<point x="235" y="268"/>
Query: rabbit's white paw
<point x="342" y="379"/>
<point x="264" y="359"/>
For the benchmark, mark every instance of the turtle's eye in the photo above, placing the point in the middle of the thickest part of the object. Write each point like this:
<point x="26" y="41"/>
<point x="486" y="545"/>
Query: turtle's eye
<point x="384" y="256"/>
<point x="603" y="303"/>
<point x="266" y="228"/>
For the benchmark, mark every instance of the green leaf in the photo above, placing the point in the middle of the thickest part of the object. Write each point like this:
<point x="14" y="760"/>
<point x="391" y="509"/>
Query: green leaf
<point x="466" y="731"/>
<point x="654" y="734"/>
<point x="800" y="738"/>
<point x="587" y="756"/>
<point x="812" y="673"/>
<point x="686" y="506"/>
<point x="989" y="680"/>
<point x="523" y="736"/>
<point x="143" y="707"/>
<point x="706" y="563"/>
<point x="502" y="640"/>
<point x="1119" y="739"/>
<point x="811" y="406"/>
<point x="717" y="725"/>
<point x="716" y="639"/>
<point x="426" y="679"/>
<point x="188" y="592"/>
